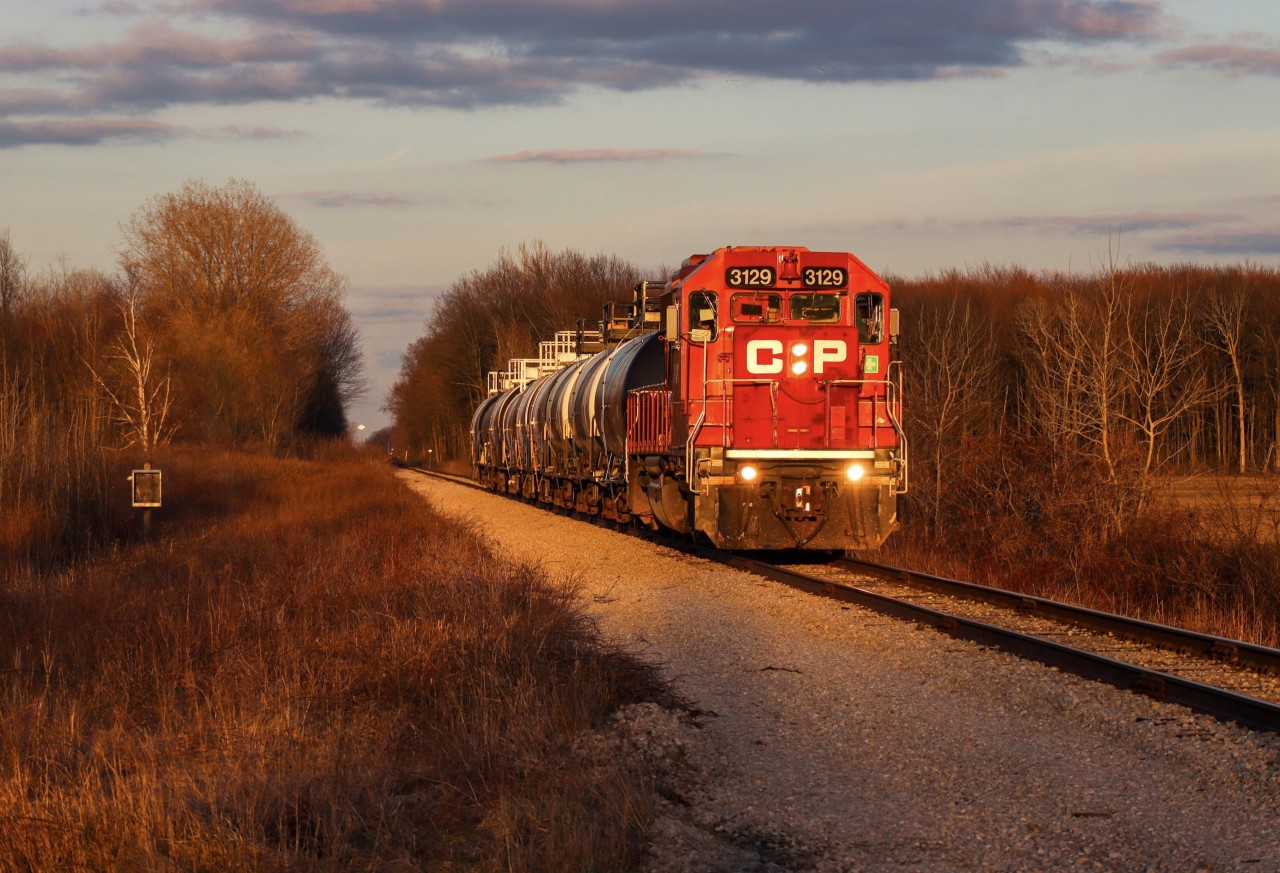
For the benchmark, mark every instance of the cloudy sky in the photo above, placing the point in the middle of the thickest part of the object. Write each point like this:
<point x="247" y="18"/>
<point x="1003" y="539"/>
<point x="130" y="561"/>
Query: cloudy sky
<point x="417" y="138"/>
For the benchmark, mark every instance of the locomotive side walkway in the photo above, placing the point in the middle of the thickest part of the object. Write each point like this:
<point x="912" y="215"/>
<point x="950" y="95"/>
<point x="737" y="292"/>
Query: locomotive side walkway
<point x="834" y="739"/>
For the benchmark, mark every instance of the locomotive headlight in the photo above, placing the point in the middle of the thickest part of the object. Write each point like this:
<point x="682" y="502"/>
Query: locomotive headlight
<point x="855" y="472"/>
<point x="748" y="473"/>
<point x="799" y="366"/>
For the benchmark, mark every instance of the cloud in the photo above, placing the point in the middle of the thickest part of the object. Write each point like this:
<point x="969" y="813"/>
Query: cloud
<point x="28" y="101"/>
<point x="235" y="131"/>
<point x="1185" y="233"/>
<point x="158" y="43"/>
<point x="1255" y="242"/>
<point x="542" y="25"/>
<point x="1258" y="200"/>
<point x="347" y="199"/>
<point x="115" y="7"/>
<point x="396" y="156"/>
<point x="389" y="360"/>
<point x="81" y="132"/>
<point x="391" y="316"/>
<point x="475" y="53"/>
<point x="1248" y="57"/>
<point x="392" y="306"/>
<point x="1104" y="224"/>
<point x="569" y="156"/>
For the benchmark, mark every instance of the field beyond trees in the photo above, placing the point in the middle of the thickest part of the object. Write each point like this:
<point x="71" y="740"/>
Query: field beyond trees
<point x="308" y="669"/>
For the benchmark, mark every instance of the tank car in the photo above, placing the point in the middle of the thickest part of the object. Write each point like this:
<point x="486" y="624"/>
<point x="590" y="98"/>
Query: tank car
<point x="754" y="399"/>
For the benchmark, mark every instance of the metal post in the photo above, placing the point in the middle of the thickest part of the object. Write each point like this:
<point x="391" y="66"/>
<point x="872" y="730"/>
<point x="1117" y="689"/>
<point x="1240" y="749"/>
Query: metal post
<point x="146" y="494"/>
<point x="146" y="513"/>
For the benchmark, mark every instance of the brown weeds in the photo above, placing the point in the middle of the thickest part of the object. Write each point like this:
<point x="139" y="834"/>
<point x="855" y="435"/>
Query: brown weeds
<point x="307" y="669"/>
<point x="1049" y="531"/>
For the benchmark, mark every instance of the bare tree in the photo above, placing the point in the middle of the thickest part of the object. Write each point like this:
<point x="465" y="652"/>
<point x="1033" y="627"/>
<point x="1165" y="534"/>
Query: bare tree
<point x="248" y="312"/>
<point x="1226" y="317"/>
<point x="12" y="273"/>
<point x="142" y="399"/>
<point x="1267" y="336"/>
<point x="1108" y="351"/>
<point x="1159" y="372"/>
<point x="486" y="318"/>
<point x="1076" y="346"/>
<point x="950" y="365"/>
<point x="69" y="317"/>
<point x="1055" y="365"/>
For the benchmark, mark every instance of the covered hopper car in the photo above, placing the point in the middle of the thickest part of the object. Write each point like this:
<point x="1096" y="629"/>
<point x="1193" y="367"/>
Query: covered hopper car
<point x="755" y="399"/>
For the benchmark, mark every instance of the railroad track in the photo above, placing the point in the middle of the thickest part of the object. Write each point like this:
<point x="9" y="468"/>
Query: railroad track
<point x="1229" y="679"/>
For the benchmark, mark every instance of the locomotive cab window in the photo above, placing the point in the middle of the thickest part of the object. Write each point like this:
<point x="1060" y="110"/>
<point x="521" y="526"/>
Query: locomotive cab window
<point x="815" y="308"/>
<point x="869" y="317"/>
<point x="756" y="308"/>
<point x="702" y="314"/>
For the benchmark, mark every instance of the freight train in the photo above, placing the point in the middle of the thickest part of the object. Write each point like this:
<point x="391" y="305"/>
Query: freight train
<point x="754" y="399"/>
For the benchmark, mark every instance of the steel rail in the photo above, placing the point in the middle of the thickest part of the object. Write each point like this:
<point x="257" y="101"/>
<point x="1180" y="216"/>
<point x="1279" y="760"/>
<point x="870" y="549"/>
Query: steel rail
<point x="448" y="477"/>
<point x="1198" y="696"/>
<point x="1209" y="699"/>
<point x="1259" y="658"/>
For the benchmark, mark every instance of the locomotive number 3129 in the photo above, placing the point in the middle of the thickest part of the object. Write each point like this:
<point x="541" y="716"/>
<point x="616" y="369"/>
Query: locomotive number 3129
<point x="824" y="277"/>
<point x="750" y="277"/>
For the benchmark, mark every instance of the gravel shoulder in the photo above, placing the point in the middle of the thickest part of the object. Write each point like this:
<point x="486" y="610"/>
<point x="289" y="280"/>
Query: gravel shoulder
<point x="834" y="739"/>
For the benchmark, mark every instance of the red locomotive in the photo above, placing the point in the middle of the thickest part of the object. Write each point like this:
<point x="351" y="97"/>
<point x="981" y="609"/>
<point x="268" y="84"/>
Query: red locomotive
<point x="754" y="398"/>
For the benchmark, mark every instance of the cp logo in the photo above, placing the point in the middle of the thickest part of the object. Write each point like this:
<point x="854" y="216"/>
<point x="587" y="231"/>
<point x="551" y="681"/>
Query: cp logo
<point x="765" y="356"/>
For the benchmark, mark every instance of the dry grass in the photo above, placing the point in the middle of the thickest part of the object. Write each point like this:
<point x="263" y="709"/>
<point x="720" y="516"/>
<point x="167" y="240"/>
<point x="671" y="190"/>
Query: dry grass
<point x="1235" y="505"/>
<point x="55" y="479"/>
<point x="1208" y="563"/>
<point x="308" y="669"/>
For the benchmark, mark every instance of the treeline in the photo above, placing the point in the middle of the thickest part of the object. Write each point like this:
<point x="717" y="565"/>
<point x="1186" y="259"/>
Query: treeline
<point x="1132" y="371"/>
<point x="1048" y="413"/>
<point x="484" y="320"/>
<point x="224" y="325"/>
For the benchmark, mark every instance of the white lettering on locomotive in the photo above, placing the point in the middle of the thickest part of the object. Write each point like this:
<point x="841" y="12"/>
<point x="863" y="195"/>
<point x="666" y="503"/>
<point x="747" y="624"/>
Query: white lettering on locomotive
<point x="828" y="352"/>
<point x="764" y="368"/>
<point x="764" y="356"/>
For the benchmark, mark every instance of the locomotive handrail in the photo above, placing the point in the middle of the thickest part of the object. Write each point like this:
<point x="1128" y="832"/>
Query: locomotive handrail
<point x="891" y="388"/>
<point x="690" y="464"/>
<point x="725" y="399"/>
<point x="649" y="419"/>
<point x="904" y="467"/>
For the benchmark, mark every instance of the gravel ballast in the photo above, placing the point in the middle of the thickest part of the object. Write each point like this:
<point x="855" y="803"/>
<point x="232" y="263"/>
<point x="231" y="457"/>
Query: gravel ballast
<point x="829" y="738"/>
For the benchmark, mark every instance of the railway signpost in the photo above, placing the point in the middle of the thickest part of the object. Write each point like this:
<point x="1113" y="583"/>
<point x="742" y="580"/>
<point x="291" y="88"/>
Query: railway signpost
<point x="146" y="494"/>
